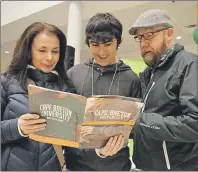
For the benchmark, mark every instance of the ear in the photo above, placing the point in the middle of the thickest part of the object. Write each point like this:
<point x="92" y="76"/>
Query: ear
<point x="170" y="35"/>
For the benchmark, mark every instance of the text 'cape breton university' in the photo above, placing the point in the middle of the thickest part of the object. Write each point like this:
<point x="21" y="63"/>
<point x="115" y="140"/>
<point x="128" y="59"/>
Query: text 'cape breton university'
<point x="77" y="121"/>
<point x="64" y="113"/>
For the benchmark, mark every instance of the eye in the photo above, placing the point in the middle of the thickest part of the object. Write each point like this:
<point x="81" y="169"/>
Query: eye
<point x="107" y="44"/>
<point x="148" y="35"/>
<point x="138" y="38"/>
<point x="42" y="51"/>
<point x="55" y="52"/>
<point x="94" y="44"/>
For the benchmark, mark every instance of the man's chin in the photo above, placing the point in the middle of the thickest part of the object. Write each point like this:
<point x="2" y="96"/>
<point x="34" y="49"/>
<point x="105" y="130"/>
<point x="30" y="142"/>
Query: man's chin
<point x="148" y="57"/>
<point x="148" y="62"/>
<point x="103" y="64"/>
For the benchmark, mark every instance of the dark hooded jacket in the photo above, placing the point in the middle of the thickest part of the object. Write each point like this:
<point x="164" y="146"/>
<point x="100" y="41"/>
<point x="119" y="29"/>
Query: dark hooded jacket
<point x="167" y="130"/>
<point x="126" y="83"/>
<point x="20" y="153"/>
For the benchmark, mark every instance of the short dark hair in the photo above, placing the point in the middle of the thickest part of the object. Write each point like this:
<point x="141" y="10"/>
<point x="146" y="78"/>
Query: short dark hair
<point x="102" y="27"/>
<point x="22" y="52"/>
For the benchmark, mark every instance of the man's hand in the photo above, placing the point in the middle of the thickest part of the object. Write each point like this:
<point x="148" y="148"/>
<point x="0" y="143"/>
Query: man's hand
<point x="113" y="146"/>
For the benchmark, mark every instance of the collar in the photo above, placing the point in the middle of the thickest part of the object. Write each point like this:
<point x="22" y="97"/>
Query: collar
<point x="32" y="67"/>
<point x="170" y="52"/>
<point x="38" y="75"/>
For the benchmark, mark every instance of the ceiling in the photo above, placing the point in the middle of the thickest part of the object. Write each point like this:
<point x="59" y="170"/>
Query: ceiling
<point x="183" y="12"/>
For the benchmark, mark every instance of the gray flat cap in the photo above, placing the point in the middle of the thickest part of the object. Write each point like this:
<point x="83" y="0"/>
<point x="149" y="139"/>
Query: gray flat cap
<point x="151" y="18"/>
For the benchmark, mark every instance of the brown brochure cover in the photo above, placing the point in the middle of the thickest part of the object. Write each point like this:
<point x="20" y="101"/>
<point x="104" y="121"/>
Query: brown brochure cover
<point x="107" y="116"/>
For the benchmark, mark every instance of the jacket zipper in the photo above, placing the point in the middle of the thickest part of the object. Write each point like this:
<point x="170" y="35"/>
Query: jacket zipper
<point x="144" y="103"/>
<point x="166" y="155"/>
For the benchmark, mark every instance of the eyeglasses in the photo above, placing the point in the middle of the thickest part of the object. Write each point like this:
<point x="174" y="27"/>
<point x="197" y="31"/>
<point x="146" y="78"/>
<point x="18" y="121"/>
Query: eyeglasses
<point x="148" y="35"/>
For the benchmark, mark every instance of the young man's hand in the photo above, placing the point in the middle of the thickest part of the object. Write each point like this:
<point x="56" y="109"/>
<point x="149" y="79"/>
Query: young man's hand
<point x="113" y="146"/>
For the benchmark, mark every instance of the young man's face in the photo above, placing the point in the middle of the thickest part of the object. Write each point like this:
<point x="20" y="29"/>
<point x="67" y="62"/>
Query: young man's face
<point x="104" y="53"/>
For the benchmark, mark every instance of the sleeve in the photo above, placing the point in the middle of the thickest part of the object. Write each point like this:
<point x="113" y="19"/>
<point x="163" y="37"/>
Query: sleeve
<point x="3" y="96"/>
<point x="69" y="73"/>
<point x="182" y="128"/>
<point x="20" y="132"/>
<point x="98" y="153"/>
<point x="9" y="128"/>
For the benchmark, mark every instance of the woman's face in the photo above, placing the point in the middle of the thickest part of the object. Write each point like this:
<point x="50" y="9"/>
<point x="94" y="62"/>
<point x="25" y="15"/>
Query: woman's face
<point x="45" y="51"/>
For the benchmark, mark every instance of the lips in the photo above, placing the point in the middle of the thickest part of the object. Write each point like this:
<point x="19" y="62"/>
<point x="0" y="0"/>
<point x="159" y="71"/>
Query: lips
<point x="102" y="57"/>
<point x="51" y="65"/>
<point x="146" y="52"/>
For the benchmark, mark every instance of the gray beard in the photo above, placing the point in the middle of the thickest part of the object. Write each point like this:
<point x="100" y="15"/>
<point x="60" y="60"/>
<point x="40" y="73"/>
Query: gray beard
<point x="156" y="57"/>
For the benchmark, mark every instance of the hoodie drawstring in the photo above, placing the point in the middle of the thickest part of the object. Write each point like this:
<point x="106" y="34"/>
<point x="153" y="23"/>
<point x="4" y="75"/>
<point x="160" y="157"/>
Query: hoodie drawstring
<point x="113" y="79"/>
<point x="92" y="81"/>
<point x="118" y="87"/>
<point x="84" y="80"/>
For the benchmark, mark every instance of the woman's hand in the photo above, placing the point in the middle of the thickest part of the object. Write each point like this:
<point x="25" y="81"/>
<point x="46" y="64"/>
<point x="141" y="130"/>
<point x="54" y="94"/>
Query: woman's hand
<point x="30" y="123"/>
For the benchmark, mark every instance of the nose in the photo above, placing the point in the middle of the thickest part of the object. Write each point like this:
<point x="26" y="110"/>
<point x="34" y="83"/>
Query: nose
<point x="49" y="56"/>
<point x="101" y="50"/>
<point x="144" y="43"/>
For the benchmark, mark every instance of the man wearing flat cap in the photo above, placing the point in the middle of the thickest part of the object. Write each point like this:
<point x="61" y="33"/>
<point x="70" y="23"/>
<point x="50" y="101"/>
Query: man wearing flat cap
<point x="166" y="132"/>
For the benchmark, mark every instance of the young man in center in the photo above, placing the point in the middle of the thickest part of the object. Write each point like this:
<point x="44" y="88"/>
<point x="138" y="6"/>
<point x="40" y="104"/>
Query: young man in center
<point x="103" y="74"/>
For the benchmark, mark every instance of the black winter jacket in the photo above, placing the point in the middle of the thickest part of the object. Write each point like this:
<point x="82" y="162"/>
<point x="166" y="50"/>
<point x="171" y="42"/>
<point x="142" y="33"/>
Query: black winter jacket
<point x="126" y="83"/>
<point x="21" y="153"/>
<point x="167" y="130"/>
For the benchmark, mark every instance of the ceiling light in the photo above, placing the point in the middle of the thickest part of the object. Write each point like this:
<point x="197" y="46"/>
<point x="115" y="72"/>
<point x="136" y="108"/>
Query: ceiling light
<point x="178" y="37"/>
<point x="7" y="52"/>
